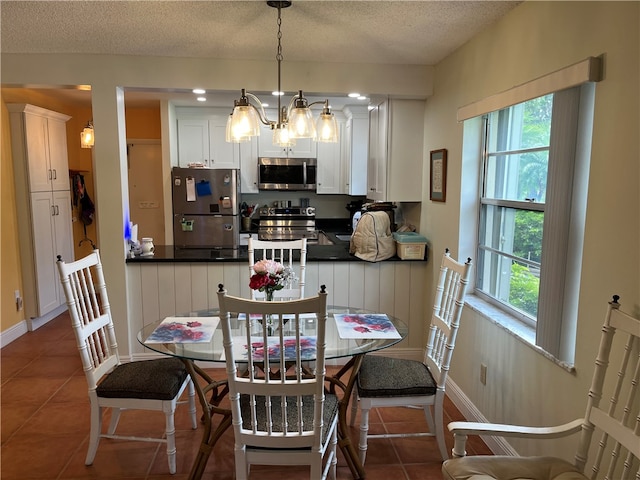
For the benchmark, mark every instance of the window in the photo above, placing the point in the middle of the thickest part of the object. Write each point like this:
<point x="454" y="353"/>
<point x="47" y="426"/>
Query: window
<point x="531" y="209"/>
<point x="512" y="205"/>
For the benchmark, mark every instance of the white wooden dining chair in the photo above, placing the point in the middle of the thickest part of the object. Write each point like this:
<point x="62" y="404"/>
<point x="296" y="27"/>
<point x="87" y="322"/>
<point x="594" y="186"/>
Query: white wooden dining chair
<point x="143" y="385"/>
<point x="395" y="382"/>
<point x="283" y="416"/>
<point x="609" y="434"/>
<point x="290" y="253"/>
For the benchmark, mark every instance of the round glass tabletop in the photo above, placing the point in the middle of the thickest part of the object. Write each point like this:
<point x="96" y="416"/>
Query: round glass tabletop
<point x="349" y="332"/>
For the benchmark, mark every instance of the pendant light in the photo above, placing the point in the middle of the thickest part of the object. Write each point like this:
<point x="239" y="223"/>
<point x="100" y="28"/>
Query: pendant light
<point x="295" y="121"/>
<point x="86" y="136"/>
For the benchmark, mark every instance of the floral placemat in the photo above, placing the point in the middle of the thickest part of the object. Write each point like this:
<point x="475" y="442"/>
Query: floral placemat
<point x="184" y="330"/>
<point x="365" y="325"/>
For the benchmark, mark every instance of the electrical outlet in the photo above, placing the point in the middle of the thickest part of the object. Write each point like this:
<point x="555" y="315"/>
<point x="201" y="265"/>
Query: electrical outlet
<point x="18" y="300"/>
<point x="483" y="374"/>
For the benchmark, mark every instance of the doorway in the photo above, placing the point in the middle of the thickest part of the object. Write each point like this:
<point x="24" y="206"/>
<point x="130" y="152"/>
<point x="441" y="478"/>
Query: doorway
<point x="146" y="204"/>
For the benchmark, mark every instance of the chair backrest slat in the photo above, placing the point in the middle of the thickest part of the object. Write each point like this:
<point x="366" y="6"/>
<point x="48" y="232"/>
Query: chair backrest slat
<point x="267" y="369"/>
<point x="445" y="319"/>
<point x="291" y="253"/>
<point x="86" y="296"/>
<point x="617" y="452"/>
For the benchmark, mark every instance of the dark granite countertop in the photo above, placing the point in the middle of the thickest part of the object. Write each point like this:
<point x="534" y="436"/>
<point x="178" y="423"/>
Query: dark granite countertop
<point x="338" y="252"/>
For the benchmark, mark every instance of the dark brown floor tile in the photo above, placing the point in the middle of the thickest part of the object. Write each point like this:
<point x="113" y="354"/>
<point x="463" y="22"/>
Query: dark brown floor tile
<point x="30" y="391"/>
<point x="46" y="367"/>
<point x="30" y="457"/>
<point x="14" y="417"/>
<point x="10" y="365"/>
<point x="424" y="471"/>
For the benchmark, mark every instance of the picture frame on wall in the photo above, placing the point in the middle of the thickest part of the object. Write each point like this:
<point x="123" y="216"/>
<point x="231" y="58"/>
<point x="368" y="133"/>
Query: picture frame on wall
<point x="438" y="170"/>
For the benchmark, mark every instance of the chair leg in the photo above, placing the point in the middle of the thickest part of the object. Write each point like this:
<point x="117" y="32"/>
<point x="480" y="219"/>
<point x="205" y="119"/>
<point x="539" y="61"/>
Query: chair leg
<point x="440" y="429"/>
<point x="170" y="431"/>
<point x="242" y="467"/>
<point x="94" y="435"/>
<point x="115" y="418"/>
<point x="334" y="450"/>
<point x="364" y="429"/>
<point x="192" y="405"/>
<point x="354" y="406"/>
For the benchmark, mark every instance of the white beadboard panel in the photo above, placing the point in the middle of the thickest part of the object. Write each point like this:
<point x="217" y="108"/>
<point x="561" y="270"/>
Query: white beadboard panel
<point x="156" y="291"/>
<point x="341" y="283"/>
<point x="182" y="287"/>
<point x="199" y="286"/>
<point x="166" y="290"/>
<point x="322" y="274"/>
<point x="134" y="310"/>
<point x="418" y="321"/>
<point x="150" y="294"/>
<point x="387" y="288"/>
<point x="402" y="295"/>
<point x="356" y="284"/>
<point x="313" y="280"/>
<point x="371" y="299"/>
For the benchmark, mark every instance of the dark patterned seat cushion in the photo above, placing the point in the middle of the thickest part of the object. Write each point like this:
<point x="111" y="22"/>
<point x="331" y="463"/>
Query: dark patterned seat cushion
<point x="330" y="411"/>
<point x="150" y="379"/>
<point x="394" y="377"/>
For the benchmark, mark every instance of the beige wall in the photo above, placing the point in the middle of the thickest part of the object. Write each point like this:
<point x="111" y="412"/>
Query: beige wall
<point x="535" y="39"/>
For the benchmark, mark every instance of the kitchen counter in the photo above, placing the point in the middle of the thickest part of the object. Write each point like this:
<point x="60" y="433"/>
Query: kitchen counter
<point x="338" y="252"/>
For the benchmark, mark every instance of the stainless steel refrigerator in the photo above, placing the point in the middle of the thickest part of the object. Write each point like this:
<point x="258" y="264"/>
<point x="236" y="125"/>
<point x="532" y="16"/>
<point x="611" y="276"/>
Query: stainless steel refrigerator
<point x="205" y="208"/>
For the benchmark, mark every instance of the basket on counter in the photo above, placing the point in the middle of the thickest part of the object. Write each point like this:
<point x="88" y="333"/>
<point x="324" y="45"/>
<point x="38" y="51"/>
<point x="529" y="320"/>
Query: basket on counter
<point x="410" y="245"/>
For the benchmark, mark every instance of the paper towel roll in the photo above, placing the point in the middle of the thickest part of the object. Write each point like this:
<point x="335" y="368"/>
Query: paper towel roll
<point x="134" y="233"/>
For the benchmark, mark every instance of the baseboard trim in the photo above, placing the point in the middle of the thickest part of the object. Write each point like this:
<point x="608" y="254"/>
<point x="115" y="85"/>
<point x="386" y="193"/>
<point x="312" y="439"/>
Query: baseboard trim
<point x="12" y="333"/>
<point x="498" y="445"/>
<point x="35" y="323"/>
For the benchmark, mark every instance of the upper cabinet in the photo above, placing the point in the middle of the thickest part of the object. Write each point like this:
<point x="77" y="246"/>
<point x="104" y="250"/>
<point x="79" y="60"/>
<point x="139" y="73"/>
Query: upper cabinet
<point x="396" y="131"/>
<point x="331" y="157"/>
<point x="304" y="147"/>
<point x="355" y="145"/>
<point x="201" y="139"/>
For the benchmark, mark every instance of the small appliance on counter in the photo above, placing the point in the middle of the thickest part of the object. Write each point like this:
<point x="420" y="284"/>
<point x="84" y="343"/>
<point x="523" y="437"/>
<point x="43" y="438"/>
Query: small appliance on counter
<point x="355" y="211"/>
<point x="384" y="207"/>
<point x="205" y="208"/>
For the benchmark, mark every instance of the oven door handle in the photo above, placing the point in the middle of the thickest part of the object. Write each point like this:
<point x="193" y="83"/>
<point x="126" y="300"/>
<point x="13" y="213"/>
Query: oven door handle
<point x="304" y="173"/>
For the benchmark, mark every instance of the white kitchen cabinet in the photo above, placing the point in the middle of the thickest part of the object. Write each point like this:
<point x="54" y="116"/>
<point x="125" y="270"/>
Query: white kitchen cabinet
<point x="43" y="203"/>
<point x="202" y="140"/>
<point x="330" y="160"/>
<point x="249" y="166"/>
<point x="304" y="147"/>
<point x="52" y="236"/>
<point x="396" y="131"/>
<point x="355" y="147"/>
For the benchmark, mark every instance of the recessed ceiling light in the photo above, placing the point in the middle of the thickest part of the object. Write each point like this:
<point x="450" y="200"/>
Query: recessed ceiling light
<point x="199" y="91"/>
<point x="362" y="97"/>
<point x="265" y="105"/>
<point x="354" y="95"/>
<point x="202" y="99"/>
<point x="277" y="94"/>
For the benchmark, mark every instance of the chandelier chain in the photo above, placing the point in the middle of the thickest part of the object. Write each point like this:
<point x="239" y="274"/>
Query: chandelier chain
<point x="279" y="60"/>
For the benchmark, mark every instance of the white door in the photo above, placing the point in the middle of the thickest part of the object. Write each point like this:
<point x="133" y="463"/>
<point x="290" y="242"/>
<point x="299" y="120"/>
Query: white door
<point x="146" y="203"/>
<point x="45" y="251"/>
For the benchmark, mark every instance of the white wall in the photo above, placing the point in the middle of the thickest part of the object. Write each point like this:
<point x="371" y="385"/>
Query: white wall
<point x="535" y="39"/>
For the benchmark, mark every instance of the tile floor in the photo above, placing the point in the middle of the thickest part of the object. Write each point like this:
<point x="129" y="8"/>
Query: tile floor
<point x="45" y="426"/>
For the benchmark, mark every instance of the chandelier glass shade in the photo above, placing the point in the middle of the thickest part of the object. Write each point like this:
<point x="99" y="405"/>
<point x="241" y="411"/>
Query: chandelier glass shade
<point x="294" y="121"/>
<point x="87" y="136"/>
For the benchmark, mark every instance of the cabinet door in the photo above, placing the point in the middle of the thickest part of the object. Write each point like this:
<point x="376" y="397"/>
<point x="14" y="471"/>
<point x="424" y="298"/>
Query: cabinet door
<point x="44" y="252"/>
<point x="222" y="154"/>
<point x="330" y="165"/>
<point x="193" y="141"/>
<point x="249" y="166"/>
<point x="356" y="153"/>
<point x="37" y="153"/>
<point x="304" y="147"/>
<point x="58" y="159"/>
<point x="62" y="231"/>
<point x="377" y="165"/>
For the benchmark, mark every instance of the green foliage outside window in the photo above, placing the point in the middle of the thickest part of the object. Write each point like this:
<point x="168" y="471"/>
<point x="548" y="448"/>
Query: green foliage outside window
<point x="524" y="289"/>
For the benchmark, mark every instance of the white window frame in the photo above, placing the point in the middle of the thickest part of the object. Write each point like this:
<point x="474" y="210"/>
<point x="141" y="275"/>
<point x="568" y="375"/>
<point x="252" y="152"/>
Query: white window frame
<point x="566" y="207"/>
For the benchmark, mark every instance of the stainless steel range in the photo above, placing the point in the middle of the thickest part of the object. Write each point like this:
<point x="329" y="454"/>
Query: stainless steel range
<point x="289" y="223"/>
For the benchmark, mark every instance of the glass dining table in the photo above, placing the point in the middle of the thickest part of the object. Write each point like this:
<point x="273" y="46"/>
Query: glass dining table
<point x="338" y="346"/>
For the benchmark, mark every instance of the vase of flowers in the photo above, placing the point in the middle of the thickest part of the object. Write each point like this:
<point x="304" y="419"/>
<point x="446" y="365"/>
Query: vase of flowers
<point x="270" y="276"/>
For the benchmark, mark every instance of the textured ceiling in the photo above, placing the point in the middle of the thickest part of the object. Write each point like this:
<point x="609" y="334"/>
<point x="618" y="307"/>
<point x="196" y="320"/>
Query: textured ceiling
<point x="380" y="32"/>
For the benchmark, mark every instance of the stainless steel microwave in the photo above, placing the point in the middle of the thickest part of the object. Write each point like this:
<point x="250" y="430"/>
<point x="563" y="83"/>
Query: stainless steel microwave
<point x="287" y="173"/>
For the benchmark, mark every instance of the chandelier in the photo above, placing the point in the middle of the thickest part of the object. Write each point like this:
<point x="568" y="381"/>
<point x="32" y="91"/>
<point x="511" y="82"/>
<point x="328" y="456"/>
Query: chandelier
<point x="294" y="121"/>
